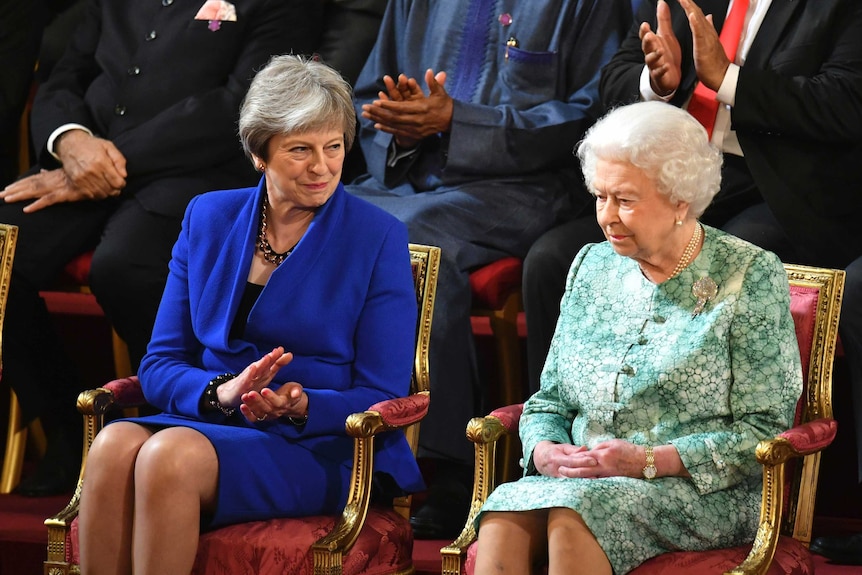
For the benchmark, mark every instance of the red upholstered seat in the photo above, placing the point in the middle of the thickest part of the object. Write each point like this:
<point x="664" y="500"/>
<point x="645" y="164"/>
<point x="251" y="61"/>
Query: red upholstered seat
<point x="791" y="557"/>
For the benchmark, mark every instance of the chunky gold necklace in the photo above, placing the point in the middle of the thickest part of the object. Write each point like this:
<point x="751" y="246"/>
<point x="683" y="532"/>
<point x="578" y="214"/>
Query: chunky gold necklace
<point x="689" y="251"/>
<point x="269" y="254"/>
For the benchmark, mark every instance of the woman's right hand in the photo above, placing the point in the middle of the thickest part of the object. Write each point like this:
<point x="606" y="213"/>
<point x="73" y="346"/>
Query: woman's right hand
<point x="549" y="458"/>
<point x="255" y="377"/>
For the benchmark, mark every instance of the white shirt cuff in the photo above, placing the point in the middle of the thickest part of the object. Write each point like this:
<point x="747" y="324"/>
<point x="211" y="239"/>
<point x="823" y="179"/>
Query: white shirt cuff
<point x="727" y="91"/>
<point x="647" y="93"/>
<point x="62" y="130"/>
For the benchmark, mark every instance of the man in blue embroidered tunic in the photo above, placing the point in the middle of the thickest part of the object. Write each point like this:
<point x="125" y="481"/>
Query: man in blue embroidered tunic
<point x="469" y="112"/>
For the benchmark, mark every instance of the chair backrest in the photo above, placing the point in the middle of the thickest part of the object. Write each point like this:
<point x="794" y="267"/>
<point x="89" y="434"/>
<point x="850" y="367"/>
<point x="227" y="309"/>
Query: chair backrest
<point x="815" y="303"/>
<point x="8" y="240"/>
<point x="425" y="261"/>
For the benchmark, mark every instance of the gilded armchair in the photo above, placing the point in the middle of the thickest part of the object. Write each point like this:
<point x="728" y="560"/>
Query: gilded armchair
<point x="790" y="461"/>
<point x="366" y="538"/>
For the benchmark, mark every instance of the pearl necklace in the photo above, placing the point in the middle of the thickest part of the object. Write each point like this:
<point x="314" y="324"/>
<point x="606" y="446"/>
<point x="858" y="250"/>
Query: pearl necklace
<point x="689" y="251"/>
<point x="269" y="254"/>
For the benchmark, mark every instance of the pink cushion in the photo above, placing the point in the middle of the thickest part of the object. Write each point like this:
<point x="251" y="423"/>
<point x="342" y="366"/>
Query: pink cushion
<point x="127" y="391"/>
<point x="509" y="416"/>
<point x="384" y="546"/>
<point x="493" y="283"/>
<point x="803" y="308"/>
<point x="812" y="436"/>
<point x="791" y="558"/>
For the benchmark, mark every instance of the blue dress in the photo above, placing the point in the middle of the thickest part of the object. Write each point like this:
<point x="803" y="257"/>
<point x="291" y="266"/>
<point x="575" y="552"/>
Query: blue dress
<point x="343" y="303"/>
<point x="629" y="360"/>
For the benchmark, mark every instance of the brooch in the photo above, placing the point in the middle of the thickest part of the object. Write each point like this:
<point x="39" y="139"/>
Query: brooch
<point x="703" y="290"/>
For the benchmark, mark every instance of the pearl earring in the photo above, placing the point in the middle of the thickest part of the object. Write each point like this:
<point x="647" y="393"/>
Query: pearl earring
<point x="679" y="222"/>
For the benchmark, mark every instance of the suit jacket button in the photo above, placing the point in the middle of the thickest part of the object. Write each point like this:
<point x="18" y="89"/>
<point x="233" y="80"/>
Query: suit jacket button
<point x="151" y="36"/>
<point x="134" y="71"/>
<point x="119" y="110"/>
<point x="167" y="2"/>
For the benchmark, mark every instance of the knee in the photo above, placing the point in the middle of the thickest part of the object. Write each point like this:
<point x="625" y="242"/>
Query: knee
<point x="174" y="457"/>
<point x="115" y="449"/>
<point x="109" y="270"/>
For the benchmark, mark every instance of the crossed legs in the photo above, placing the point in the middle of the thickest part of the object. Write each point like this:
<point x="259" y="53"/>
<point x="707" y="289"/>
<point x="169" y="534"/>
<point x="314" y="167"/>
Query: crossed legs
<point x="521" y="542"/>
<point x="143" y="497"/>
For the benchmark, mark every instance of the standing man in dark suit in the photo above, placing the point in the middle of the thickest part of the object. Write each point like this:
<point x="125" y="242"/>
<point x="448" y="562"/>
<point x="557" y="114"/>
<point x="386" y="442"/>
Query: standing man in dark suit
<point x="138" y="117"/>
<point x="790" y="127"/>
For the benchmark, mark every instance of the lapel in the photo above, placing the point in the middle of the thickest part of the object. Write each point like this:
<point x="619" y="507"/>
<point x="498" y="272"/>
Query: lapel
<point x="772" y="29"/>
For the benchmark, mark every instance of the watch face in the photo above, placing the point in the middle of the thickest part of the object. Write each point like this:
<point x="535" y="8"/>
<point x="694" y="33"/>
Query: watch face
<point x="649" y="471"/>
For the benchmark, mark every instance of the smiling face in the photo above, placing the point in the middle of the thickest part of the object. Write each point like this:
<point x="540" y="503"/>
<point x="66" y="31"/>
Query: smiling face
<point x="637" y="219"/>
<point x="303" y="170"/>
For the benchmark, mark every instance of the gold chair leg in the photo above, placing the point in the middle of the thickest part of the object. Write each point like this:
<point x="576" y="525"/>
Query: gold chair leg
<point x="16" y="442"/>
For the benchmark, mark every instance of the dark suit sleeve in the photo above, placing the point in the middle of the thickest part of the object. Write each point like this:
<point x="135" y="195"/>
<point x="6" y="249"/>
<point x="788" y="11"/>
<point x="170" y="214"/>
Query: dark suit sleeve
<point x="194" y="131"/>
<point x="198" y="130"/>
<point x="811" y="87"/>
<point x="620" y="78"/>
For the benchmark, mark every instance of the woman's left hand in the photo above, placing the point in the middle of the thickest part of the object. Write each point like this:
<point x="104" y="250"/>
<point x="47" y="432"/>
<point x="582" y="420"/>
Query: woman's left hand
<point x="289" y="400"/>
<point x="613" y="458"/>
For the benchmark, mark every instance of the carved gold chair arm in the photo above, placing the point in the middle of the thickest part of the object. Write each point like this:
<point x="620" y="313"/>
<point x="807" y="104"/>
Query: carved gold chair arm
<point x="774" y="454"/>
<point x="484" y="432"/>
<point x="364" y="427"/>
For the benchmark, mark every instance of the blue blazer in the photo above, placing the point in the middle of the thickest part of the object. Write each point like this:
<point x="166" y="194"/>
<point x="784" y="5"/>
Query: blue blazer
<point x="343" y="303"/>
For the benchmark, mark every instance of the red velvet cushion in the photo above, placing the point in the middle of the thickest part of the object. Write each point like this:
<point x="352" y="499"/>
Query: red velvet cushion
<point x="402" y="411"/>
<point x="385" y="545"/>
<point x="78" y="270"/>
<point x="791" y="558"/>
<point x="493" y="283"/>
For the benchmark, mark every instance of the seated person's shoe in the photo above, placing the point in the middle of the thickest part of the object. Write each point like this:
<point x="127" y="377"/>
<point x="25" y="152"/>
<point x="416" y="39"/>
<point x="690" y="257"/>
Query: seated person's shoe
<point x="844" y="550"/>
<point x="444" y="512"/>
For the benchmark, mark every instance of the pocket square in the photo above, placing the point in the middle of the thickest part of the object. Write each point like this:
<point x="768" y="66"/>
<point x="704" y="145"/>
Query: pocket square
<point x="217" y="10"/>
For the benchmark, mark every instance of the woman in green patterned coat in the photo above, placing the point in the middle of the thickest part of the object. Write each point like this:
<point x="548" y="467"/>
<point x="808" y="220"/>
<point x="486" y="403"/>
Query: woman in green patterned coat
<point x="674" y="355"/>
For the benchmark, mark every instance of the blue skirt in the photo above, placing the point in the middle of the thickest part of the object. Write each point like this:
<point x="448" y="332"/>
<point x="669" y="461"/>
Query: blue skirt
<point x="263" y="475"/>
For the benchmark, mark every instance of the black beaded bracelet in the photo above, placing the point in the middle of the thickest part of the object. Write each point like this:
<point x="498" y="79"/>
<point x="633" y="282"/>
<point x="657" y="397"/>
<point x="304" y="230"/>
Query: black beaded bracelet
<point x="211" y="393"/>
<point x="297" y="421"/>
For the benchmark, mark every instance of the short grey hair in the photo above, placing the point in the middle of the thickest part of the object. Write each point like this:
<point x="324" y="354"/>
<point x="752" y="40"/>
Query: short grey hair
<point x="664" y="141"/>
<point x="294" y="95"/>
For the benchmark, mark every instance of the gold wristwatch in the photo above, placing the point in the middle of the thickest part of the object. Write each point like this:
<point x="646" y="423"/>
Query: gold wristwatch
<point x="649" y="469"/>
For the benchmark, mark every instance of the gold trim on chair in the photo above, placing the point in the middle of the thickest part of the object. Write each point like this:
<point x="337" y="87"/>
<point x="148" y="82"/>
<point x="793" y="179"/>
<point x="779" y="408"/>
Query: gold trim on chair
<point x="16" y="433"/>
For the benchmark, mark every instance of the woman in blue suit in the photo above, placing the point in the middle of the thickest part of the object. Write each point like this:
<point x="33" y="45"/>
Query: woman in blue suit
<point x="288" y="307"/>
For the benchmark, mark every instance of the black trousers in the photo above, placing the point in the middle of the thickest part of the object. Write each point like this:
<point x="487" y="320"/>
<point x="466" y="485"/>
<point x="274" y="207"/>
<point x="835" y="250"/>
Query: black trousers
<point x="132" y="249"/>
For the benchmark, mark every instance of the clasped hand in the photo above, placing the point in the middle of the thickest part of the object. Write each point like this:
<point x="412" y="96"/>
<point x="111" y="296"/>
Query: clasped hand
<point x="613" y="458"/>
<point x="93" y="169"/>
<point x="663" y="55"/>
<point x="249" y="390"/>
<point x="404" y="110"/>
